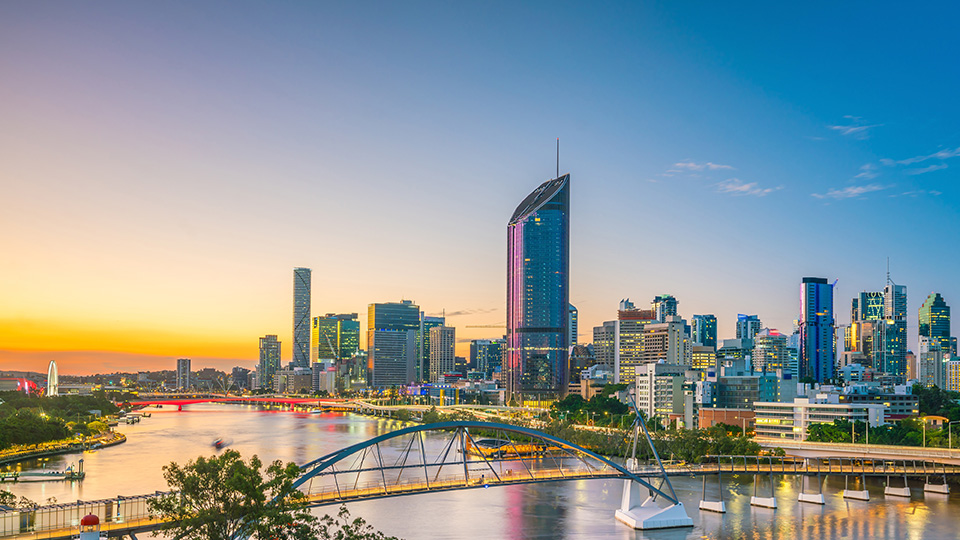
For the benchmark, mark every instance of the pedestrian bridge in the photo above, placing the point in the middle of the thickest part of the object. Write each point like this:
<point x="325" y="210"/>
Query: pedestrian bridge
<point x="468" y="455"/>
<point x="403" y="462"/>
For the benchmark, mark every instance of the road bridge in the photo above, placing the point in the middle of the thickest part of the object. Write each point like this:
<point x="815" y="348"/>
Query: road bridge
<point x="807" y="449"/>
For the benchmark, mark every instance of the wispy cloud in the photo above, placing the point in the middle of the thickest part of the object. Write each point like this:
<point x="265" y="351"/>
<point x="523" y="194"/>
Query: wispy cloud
<point x="850" y="192"/>
<point x="461" y="312"/>
<point x="924" y="170"/>
<point x="692" y="166"/>
<point x="941" y="155"/>
<point x="918" y="192"/>
<point x="855" y="127"/>
<point x="867" y="172"/>
<point x="735" y="186"/>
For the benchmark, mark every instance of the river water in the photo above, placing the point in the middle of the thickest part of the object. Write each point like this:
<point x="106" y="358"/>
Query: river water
<point x="574" y="509"/>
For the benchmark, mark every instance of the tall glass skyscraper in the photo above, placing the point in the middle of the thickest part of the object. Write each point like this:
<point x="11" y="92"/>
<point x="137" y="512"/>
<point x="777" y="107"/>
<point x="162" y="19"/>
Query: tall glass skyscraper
<point x="427" y="322"/>
<point x="269" y="361"/>
<point x="301" y="317"/>
<point x="703" y="330"/>
<point x="747" y="326"/>
<point x="538" y="291"/>
<point x="817" y="329"/>
<point x="935" y="321"/>
<point x="393" y="331"/>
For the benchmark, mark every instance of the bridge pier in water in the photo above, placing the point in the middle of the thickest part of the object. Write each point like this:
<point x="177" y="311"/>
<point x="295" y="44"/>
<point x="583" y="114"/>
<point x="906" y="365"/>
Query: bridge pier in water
<point x="859" y="494"/>
<point x="897" y="491"/>
<point x="764" y="502"/>
<point x="815" y="498"/>
<point x="717" y="505"/>
<point x="936" y="488"/>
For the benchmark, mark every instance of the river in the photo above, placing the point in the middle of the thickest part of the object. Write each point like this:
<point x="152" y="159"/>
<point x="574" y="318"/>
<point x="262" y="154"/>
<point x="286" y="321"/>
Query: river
<point x="575" y="509"/>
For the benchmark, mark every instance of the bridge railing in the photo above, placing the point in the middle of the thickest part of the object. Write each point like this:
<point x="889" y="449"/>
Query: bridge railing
<point x="57" y="517"/>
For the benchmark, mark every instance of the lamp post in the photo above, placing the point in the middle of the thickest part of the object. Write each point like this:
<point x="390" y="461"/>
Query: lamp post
<point x="924" y="432"/>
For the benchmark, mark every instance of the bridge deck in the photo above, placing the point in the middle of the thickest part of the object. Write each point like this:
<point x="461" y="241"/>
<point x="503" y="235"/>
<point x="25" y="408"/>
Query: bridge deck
<point x="60" y="523"/>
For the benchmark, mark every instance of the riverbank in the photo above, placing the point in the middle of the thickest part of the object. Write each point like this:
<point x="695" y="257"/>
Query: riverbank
<point x="53" y="448"/>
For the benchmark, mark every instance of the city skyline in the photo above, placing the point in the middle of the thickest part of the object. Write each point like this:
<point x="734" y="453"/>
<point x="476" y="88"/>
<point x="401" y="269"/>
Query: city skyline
<point x="148" y="182"/>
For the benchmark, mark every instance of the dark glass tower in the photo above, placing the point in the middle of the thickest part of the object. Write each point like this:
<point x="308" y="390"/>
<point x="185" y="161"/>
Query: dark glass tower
<point x="817" y="327"/>
<point x="538" y="284"/>
<point x="935" y="321"/>
<point x="301" y="317"/>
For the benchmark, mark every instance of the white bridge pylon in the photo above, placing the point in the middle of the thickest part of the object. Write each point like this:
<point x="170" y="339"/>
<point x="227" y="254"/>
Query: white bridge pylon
<point x="639" y="510"/>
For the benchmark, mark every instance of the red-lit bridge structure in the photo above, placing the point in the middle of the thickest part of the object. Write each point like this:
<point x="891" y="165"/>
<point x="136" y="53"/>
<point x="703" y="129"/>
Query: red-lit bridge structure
<point x="192" y="399"/>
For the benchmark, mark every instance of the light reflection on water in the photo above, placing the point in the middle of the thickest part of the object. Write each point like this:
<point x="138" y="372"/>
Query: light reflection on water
<point x="576" y="509"/>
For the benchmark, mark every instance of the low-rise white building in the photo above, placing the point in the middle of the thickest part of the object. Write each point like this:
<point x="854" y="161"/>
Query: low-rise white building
<point x="791" y="420"/>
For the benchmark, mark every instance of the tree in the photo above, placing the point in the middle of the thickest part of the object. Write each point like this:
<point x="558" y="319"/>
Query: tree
<point x="225" y="498"/>
<point x="10" y="500"/>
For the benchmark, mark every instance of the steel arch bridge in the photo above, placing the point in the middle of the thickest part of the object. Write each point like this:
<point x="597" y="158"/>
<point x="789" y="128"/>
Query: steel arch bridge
<point x="474" y="455"/>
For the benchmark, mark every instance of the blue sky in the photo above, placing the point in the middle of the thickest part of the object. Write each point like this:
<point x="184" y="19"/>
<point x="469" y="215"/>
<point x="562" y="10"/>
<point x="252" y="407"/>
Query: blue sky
<point x="166" y="165"/>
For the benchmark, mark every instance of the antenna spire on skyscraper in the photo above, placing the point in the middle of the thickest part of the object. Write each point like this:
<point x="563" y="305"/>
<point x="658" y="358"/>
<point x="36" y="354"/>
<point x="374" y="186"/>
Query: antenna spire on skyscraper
<point x="558" y="157"/>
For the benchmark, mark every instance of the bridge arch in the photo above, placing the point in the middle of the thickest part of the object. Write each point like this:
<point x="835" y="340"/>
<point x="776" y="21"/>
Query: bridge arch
<point x="540" y="447"/>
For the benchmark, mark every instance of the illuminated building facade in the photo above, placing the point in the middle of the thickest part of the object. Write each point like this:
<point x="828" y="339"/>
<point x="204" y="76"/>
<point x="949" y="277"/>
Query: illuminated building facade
<point x="817" y="329"/>
<point x="703" y="357"/>
<point x="604" y="337"/>
<point x="538" y="291"/>
<point x="703" y="330"/>
<point x="770" y="351"/>
<point x="269" y="362"/>
<point x="935" y="321"/>
<point x="748" y="326"/>
<point x="486" y="355"/>
<point x="442" y="356"/>
<point x="334" y="337"/>
<point x="393" y="331"/>
<point x="183" y="374"/>
<point x="890" y="334"/>
<point x="572" y="318"/>
<point x="301" y="317"/>
<point x="427" y="323"/>
<point x="664" y="306"/>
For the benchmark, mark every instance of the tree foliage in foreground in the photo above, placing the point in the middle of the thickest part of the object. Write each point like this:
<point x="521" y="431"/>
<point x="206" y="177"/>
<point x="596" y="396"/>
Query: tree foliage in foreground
<point x="225" y="498"/>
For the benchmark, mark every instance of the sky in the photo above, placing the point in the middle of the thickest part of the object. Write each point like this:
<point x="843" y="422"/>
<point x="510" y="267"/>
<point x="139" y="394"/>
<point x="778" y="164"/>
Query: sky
<point x="164" y="166"/>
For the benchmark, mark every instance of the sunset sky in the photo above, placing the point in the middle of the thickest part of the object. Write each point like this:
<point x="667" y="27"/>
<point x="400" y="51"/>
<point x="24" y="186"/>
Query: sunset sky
<point x="165" y="165"/>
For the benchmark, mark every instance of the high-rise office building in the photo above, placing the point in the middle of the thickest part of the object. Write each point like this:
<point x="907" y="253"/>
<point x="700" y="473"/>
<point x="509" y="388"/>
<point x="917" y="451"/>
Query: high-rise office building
<point x="664" y="306"/>
<point x="334" y="336"/>
<point x="866" y="311"/>
<point x="427" y="323"/>
<point x="183" y="374"/>
<point x="890" y="334"/>
<point x="703" y="330"/>
<point x="393" y="331"/>
<point x="929" y="360"/>
<point x="747" y="326"/>
<point x="443" y="358"/>
<point x="703" y="357"/>
<point x="301" y="317"/>
<point x="935" y="321"/>
<point x="486" y="355"/>
<point x="572" y="321"/>
<point x="269" y="362"/>
<point x="817" y="329"/>
<point x="538" y="291"/>
<point x="604" y="347"/>
<point x="770" y="351"/>
<point x="323" y="339"/>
